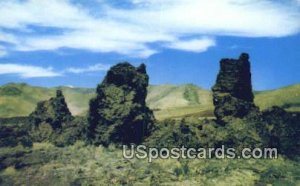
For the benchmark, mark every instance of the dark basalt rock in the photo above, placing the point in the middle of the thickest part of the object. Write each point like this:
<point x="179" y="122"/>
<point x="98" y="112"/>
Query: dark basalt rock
<point x="232" y="93"/>
<point x="233" y="101"/>
<point x="53" y="112"/>
<point x="282" y="129"/>
<point x="118" y="114"/>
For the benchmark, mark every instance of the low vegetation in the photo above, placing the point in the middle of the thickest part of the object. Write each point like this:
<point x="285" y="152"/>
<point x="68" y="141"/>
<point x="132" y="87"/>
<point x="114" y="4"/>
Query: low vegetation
<point x="82" y="164"/>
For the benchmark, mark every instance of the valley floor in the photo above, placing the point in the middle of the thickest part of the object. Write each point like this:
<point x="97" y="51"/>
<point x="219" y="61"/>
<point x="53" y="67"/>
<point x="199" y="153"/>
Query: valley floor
<point x="45" y="164"/>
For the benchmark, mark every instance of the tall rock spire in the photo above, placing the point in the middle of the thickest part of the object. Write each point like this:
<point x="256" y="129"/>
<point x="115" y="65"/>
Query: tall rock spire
<point x="232" y="93"/>
<point x="118" y="114"/>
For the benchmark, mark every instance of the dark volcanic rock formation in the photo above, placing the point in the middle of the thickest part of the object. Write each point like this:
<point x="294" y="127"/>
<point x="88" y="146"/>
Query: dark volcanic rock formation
<point x="53" y="112"/>
<point x="118" y="114"/>
<point x="283" y="130"/>
<point x="232" y="93"/>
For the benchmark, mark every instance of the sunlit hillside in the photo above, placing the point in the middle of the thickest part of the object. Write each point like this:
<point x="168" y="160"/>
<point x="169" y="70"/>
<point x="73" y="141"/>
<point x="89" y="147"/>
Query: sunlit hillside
<point x="167" y="101"/>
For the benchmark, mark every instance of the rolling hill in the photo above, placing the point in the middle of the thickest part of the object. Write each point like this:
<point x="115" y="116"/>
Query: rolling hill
<point x="286" y="97"/>
<point x="21" y="99"/>
<point x="167" y="101"/>
<point x="171" y="101"/>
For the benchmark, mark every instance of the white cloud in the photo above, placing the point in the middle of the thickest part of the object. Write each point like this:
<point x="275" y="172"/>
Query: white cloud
<point x="2" y="51"/>
<point x="7" y="37"/>
<point x="30" y="71"/>
<point x="250" y="18"/>
<point x="27" y="71"/>
<point x="93" y="68"/>
<point x="194" y="45"/>
<point x="130" y="31"/>
<point x="70" y="86"/>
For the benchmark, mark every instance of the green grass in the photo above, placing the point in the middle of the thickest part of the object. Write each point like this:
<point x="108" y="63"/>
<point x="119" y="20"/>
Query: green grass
<point x="288" y="97"/>
<point x="191" y="94"/>
<point x="180" y="112"/>
<point x="89" y="165"/>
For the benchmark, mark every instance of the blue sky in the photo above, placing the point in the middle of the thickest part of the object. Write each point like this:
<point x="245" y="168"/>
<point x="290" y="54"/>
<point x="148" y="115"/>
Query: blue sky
<point x="74" y="42"/>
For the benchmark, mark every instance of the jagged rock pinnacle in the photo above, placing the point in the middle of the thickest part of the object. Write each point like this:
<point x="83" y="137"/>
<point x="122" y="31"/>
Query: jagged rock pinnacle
<point x="53" y="112"/>
<point x="119" y="113"/>
<point x="232" y="93"/>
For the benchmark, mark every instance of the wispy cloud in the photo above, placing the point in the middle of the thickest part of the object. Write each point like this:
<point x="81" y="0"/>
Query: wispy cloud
<point x="30" y="71"/>
<point x="129" y="31"/>
<point x="27" y="71"/>
<point x="93" y="68"/>
<point x="3" y="51"/>
<point x="194" y="45"/>
<point x="6" y="37"/>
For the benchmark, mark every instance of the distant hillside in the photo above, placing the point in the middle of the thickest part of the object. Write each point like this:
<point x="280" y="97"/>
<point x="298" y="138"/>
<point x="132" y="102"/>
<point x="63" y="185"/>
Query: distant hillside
<point x="287" y="97"/>
<point x="21" y="99"/>
<point x="171" y="101"/>
<point x="170" y="96"/>
<point x="168" y="101"/>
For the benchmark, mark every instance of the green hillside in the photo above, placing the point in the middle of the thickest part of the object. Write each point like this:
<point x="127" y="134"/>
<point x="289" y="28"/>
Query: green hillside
<point x="21" y="99"/>
<point x="171" y="101"/>
<point x="167" y="101"/>
<point x="170" y="96"/>
<point x="287" y="97"/>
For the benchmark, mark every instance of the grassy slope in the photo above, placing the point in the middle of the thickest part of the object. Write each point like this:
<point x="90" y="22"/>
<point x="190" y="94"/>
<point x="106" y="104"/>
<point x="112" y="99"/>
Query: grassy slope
<point x="21" y="99"/>
<point x="168" y="101"/>
<point x="289" y="97"/>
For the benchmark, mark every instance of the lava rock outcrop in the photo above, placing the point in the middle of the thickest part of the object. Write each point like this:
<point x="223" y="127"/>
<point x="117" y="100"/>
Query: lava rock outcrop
<point x="282" y="129"/>
<point x="54" y="112"/>
<point x="118" y="114"/>
<point x="232" y="93"/>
